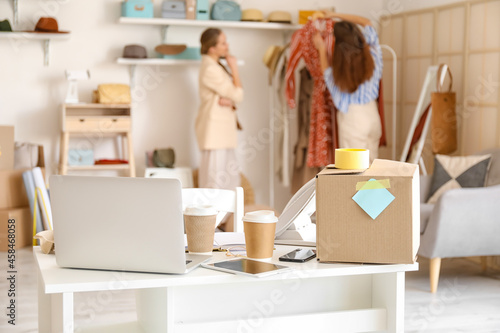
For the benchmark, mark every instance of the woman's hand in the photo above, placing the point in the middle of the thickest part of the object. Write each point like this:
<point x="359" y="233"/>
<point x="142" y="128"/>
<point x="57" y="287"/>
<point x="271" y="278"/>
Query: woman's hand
<point x="319" y="43"/>
<point x="223" y="101"/>
<point x="329" y="13"/>
<point x="232" y="62"/>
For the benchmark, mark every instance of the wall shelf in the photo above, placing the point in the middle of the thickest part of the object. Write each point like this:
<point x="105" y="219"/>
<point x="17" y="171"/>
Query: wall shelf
<point x="157" y="62"/>
<point x="133" y="63"/>
<point x="98" y="167"/>
<point x="33" y="35"/>
<point x="45" y="37"/>
<point x="209" y="23"/>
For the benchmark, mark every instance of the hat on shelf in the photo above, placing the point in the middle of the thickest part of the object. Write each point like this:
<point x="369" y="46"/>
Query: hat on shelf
<point x="169" y="49"/>
<point x="271" y="58"/>
<point x="134" y="51"/>
<point x="48" y="25"/>
<point x="280" y="16"/>
<point x="5" y="26"/>
<point x="252" y="14"/>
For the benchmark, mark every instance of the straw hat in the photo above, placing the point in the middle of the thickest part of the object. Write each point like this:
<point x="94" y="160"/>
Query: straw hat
<point x="168" y="49"/>
<point x="270" y="59"/>
<point x="252" y="15"/>
<point x="280" y="16"/>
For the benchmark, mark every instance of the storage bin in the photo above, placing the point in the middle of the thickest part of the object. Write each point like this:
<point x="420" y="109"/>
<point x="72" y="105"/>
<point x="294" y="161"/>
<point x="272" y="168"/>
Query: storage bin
<point x="81" y="157"/>
<point x="202" y="10"/>
<point x="137" y="8"/>
<point x="173" y="9"/>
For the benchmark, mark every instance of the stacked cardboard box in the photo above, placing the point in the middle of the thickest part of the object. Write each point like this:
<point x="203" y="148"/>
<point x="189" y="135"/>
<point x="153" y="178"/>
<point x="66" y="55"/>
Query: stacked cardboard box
<point x="13" y="199"/>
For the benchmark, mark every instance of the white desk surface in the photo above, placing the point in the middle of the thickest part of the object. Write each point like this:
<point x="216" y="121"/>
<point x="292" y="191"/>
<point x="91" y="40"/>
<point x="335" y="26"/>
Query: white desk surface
<point x="59" y="280"/>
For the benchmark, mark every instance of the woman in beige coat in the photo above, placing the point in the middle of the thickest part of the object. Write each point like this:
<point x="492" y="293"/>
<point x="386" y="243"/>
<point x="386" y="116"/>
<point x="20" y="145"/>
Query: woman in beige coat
<point x="216" y="122"/>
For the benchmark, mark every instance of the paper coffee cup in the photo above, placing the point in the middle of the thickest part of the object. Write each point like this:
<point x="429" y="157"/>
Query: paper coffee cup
<point x="260" y="227"/>
<point x="200" y="227"/>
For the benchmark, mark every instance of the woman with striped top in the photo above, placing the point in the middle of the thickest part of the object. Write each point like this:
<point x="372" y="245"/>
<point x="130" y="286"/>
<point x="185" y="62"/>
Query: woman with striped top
<point x="353" y="80"/>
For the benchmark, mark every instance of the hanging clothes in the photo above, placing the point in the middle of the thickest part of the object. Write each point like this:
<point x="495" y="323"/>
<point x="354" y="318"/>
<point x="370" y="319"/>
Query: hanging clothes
<point x="301" y="172"/>
<point x="281" y="116"/>
<point x="320" y="145"/>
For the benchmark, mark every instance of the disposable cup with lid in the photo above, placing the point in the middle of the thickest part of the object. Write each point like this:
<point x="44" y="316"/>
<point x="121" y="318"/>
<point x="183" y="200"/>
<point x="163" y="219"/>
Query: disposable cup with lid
<point x="260" y="228"/>
<point x="200" y="210"/>
<point x="260" y="216"/>
<point x="200" y="223"/>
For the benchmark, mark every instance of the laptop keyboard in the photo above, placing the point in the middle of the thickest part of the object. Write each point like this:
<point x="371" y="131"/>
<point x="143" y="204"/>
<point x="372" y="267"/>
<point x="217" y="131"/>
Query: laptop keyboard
<point x="188" y="261"/>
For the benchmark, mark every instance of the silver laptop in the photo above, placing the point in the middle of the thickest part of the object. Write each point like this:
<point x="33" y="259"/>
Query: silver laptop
<point x="126" y="224"/>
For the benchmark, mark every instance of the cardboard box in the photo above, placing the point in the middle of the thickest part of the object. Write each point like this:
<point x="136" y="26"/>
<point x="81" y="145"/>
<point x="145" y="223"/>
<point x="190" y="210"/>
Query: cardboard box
<point x="12" y="191"/>
<point x="23" y="227"/>
<point x="347" y="233"/>
<point x="6" y="147"/>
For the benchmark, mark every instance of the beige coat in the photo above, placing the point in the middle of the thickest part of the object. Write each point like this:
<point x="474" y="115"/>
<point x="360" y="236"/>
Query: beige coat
<point x="216" y="125"/>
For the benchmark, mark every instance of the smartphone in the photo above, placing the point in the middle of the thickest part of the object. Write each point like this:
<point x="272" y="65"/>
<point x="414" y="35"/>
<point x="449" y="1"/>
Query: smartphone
<point x="299" y="255"/>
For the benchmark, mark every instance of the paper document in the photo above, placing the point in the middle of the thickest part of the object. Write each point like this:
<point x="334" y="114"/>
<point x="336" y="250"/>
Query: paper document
<point x="225" y="240"/>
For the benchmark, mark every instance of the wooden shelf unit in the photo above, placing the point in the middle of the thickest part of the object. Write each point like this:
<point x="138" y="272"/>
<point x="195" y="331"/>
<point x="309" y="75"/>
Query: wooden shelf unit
<point x="97" y="120"/>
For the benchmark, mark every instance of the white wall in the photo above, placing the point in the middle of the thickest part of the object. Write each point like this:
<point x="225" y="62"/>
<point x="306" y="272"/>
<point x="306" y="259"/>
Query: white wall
<point x="165" y="99"/>
<point x="398" y="6"/>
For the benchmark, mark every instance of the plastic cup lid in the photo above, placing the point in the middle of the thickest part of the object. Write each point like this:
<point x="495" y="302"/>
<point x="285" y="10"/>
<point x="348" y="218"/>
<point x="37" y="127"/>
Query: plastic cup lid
<point x="260" y="216"/>
<point x="200" y="210"/>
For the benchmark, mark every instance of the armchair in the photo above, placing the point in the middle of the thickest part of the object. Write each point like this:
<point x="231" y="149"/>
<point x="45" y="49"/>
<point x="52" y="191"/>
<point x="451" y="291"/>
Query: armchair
<point x="463" y="223"/>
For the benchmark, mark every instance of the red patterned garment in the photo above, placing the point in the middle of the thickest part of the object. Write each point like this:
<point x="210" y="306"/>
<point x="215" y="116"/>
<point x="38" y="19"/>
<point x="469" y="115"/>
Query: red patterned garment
<point x="320" y="148"/>
<point x="323" y="137"/>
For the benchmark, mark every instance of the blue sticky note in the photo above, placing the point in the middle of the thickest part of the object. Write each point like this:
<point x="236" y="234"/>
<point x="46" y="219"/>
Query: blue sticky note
<point x="373" y="201"/>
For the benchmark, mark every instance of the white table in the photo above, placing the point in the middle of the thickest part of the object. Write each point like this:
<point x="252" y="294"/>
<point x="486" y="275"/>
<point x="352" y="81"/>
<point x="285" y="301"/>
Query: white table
<point x="314" y="297"/>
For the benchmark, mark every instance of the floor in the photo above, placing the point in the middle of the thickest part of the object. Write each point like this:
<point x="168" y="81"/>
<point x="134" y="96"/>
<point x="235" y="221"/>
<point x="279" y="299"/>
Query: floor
<point x="466" y="301"/>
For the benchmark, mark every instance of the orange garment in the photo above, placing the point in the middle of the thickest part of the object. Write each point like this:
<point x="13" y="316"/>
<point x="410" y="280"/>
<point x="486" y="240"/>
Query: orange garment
<point x="320" y="147"/>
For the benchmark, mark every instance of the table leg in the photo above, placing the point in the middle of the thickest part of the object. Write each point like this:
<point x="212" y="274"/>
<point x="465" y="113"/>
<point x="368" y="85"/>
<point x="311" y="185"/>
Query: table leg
<point x="44" y="308"/>
<point x="155" y="309"/>
<point x="130" y="149"/>
<point x="63" y="158"/>
<point x="62" y="313"/>
<point x="388" y="291"/>
<point x="55" y="311"/>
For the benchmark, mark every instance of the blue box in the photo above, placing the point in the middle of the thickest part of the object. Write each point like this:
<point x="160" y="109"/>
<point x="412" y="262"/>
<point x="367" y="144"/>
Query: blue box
<point x="174" y="9"/>
<point x="80" y="157"/>
<point x="137" y="8"/>
<point x="202" y="10"/>
<point x="190" y="53"/>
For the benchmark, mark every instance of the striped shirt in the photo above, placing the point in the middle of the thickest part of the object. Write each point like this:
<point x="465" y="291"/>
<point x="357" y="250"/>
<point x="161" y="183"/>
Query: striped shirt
<point x="368" y="90"/>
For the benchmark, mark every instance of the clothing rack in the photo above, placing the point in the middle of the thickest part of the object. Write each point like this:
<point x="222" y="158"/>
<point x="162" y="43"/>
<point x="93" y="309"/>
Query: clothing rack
<point x="271" y="122"/>
<point x="394" y="95"/>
